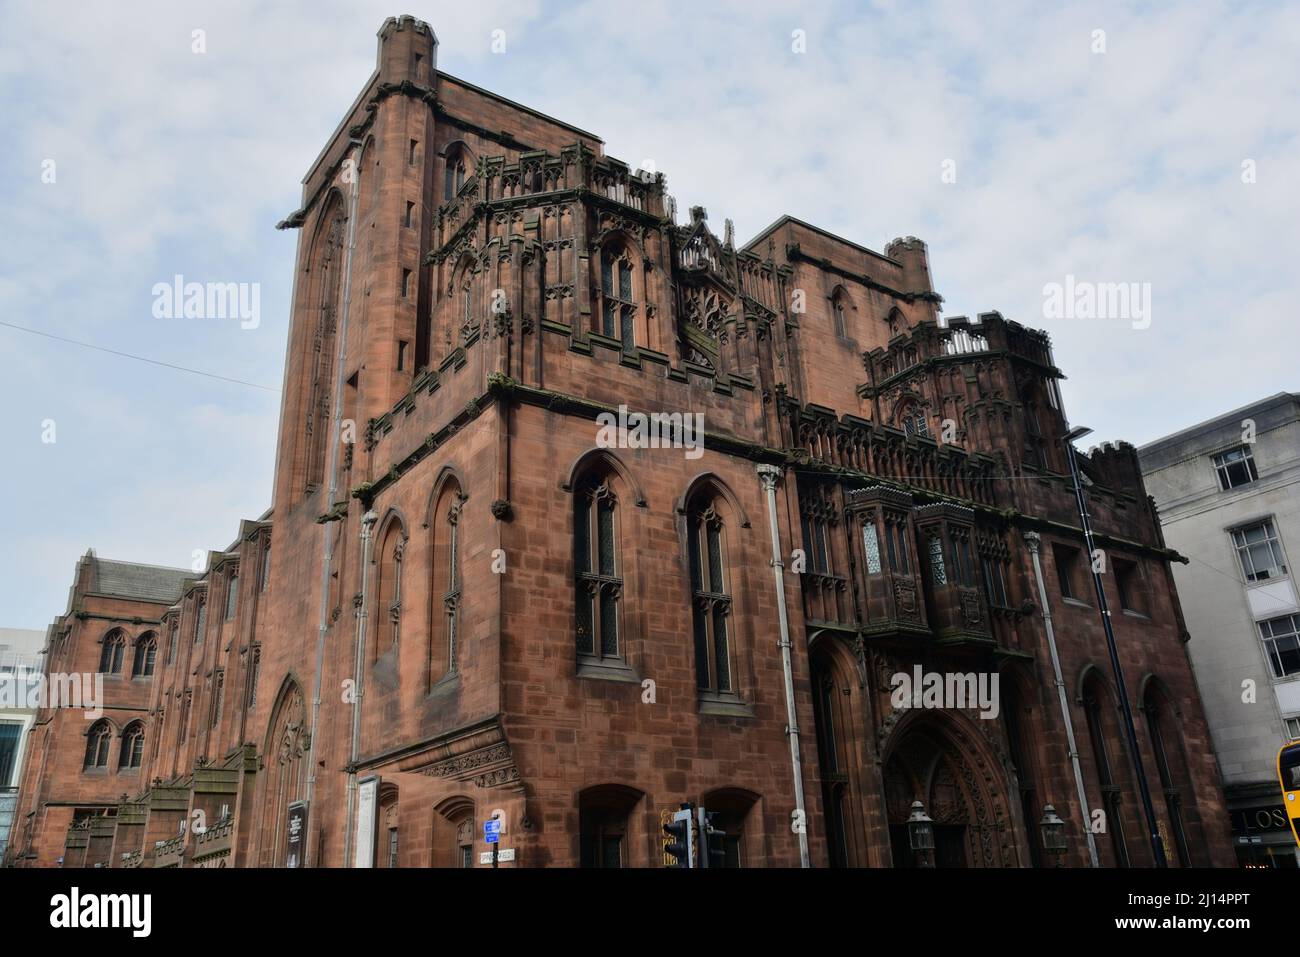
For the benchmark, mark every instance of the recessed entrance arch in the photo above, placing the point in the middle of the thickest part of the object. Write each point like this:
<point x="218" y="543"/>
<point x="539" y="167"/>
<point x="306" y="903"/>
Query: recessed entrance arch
<point x="940" y="760"/>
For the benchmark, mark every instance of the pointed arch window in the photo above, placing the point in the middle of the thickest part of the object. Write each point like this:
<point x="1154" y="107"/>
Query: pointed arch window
<point x="599" y="585"/>
<point x="1111" y="796"/>
<point x="389" y="593"/>
<point x="266" y="566"/>
<point x="839" y="311"/>
<point x="444" y="637"/>
<point x="114" y="650"/>
<point x="98" y="741"/>
<point x="710" y="600"/>
<point x="232" y="595"/>
<point x="911" y="419"/>
<point x="1155" y="712"/>
<point x="146" y="654"/>
<point x="618" y="307"/>
<point x="455" y="171"/>
<point x="132" y="751"/>
<point x="254" y="669"/>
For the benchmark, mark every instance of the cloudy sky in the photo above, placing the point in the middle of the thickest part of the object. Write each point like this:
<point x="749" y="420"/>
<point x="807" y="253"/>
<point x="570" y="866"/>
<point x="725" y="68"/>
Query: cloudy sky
<point x="1126" y="165"/>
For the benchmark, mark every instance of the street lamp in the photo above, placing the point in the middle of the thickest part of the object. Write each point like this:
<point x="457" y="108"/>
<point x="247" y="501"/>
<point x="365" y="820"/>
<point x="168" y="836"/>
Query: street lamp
<point x="1053" y="830"/>
<point x="920" y="834"/>
<point x="1157" y="846"/>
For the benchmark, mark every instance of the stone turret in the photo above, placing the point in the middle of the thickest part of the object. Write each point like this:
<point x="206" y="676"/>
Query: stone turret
<point x="914" y="256"/>
<point x="408" y="51"/>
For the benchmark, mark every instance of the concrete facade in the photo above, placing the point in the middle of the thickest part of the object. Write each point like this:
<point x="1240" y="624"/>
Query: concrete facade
<point x="1252" y="700"/>
<point x="20" y="664"/>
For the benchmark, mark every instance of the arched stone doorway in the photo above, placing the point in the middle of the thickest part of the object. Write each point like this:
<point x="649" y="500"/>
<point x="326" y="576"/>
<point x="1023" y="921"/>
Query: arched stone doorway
<point x="940" y="761"/>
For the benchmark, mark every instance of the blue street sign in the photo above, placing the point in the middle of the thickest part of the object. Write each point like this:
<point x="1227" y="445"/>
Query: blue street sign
<point x="492" y="831"/>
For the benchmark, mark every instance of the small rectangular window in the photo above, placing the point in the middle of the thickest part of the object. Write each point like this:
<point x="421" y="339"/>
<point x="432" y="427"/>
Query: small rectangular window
<point x="1067" y="564"/>
<point x="406" y="283"/>
<point x="1235" y="467"/>
<point x="410" y="158"/>
<point x="1292" y="728"/>
<point x="1128" y="582"/>
<point x="1259" y="551"/>
<point x="410" y="214"/>
<point x="401" y="355"/>
<point x="995" y="588"/>
<point x="1281" y="637"/>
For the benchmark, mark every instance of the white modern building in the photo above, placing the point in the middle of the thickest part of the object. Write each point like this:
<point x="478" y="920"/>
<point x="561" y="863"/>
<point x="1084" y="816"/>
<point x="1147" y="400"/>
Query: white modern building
<point x="20" y="664"/>
<point x="1228" y="492"/>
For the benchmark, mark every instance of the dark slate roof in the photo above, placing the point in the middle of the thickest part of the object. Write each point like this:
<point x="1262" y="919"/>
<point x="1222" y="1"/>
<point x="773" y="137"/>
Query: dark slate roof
<point x="148" y="582"/>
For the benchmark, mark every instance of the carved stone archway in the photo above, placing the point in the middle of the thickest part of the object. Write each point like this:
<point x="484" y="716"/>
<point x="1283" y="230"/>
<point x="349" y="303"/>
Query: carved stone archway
<point x="939" y="759"/>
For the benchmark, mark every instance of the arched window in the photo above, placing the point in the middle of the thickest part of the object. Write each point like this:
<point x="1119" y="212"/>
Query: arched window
<point x="909" y="417"/>
<point x="456" y="169"/>
<point x="599" y="585"/>
<point x="454" y="833"/>
<point x="325" y="262"/>
<point x="200" y="618"/>
<point x="386" y="846"/>
<point x="710" y="598"/>
<point x="444" y="520"/>
<point x="98" y="740"/>
<point x="834" y="740"/>
<point x="388" y="594"/>
<point x="604" y="819"/>
<point x="114" y="650"/>
<point x="232" y="595"/>
<point x="1168" y="766"/>
<point x="839" y="311"/>
<point x="266" y="565"/>
<point x="618" y="306"/>
<point x="287" y="742"/>
<point x="254" y="669"/>
<point x="132" y="752"/>
<point x="730" y="819"/>
<point x="1112" y="799"/>
<point x="146" y="655"/>
<point x="1017" y="718"/>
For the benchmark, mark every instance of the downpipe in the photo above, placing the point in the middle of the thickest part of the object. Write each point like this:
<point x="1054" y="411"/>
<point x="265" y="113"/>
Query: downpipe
<point x="1034" y="541"/>
<point x="367" y="541"/>
<point x="769" y="474"/>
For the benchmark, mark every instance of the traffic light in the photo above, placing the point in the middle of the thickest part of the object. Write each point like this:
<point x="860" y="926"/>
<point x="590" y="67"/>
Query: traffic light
<point x="713" y="849"/>
<point x="681" y="848"/>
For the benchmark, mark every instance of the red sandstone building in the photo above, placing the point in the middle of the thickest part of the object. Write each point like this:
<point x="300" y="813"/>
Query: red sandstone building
<point x="461" y="605"/>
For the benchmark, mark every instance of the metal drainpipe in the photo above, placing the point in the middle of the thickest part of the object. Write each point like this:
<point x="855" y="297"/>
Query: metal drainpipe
<point x="1034" y="541"/>
<point x="328" y="545"/>
<point x="367" y="539"/>
<point x="769" y="474"/>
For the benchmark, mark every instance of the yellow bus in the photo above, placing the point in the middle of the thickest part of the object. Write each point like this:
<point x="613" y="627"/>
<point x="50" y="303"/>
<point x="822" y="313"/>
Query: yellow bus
<point x="1288" y="775"/>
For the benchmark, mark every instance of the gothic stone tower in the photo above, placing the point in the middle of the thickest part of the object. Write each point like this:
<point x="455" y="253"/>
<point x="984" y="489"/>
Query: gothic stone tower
<point x="465" y="603"/>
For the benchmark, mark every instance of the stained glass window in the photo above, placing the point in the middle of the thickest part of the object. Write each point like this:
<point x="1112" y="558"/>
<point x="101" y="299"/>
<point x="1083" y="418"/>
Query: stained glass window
<point x="871" y="542"/>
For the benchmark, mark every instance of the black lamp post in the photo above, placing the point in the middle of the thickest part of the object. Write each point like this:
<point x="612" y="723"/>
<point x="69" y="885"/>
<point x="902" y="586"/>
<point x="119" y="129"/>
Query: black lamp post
<point x="1053" y="830"/>
<point x="920" y="834"/>
<point x="1157" y="846"/>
